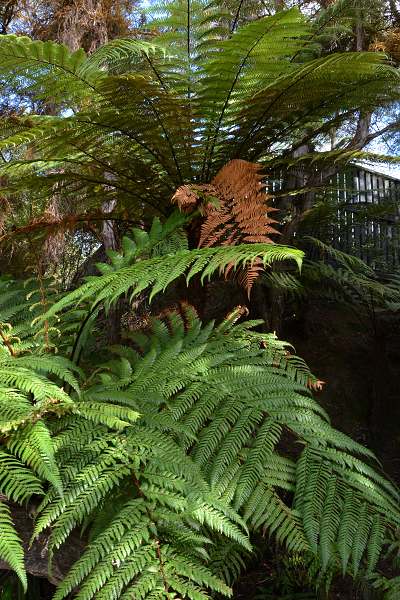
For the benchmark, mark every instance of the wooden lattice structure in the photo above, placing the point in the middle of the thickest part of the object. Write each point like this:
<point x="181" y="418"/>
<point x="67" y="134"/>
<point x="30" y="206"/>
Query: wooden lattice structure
<point x="365" y="215"/>
<point x="368" y="216"/>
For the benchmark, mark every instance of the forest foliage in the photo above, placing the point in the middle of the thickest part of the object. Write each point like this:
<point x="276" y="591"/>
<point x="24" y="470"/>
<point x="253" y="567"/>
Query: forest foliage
<point x="167" y="441"/>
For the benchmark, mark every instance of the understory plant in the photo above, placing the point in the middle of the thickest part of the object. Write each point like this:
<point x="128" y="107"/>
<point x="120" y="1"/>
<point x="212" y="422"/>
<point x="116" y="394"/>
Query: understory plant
<point x="187" y="440"/>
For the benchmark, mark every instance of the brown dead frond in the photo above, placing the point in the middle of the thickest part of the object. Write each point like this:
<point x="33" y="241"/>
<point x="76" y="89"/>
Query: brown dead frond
<point x="49" y="224"/>
<point x="235" y="210"/>
<point x="185" y="198"/>
<point x="316" y="385"/>
<point x="242" y="213"/>
<point x="189" y="197"/>
<point x="5" y="211"/>
<point x="237" y="313"/>
<point x="389" y="43"/>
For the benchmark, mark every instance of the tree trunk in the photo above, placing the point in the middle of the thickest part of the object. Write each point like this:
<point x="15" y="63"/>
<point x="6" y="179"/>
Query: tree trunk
<point x="360" y="38"/>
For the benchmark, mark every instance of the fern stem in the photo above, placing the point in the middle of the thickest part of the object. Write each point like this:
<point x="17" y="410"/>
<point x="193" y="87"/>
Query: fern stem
<point x="156" y="540"/>
<point x="236" y="18"/>
<point x="129" y="135"/>
<point x="209" y="155"/>
<point x="162" y="570"/>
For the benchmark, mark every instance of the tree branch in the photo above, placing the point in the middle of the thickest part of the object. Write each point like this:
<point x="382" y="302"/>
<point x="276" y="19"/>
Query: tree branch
<point x="392" y="127"/>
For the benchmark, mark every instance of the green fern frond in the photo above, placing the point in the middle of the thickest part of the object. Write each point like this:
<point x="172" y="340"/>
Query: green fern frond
<point x="17" y="481"/>
<point x="11" y="549"/>
<point x="158" y="272"/>
<point x="36" y="59"/>
<point x="114" y="417"/>
<point x="33" y="445"/>
<point x="202" y="461"/>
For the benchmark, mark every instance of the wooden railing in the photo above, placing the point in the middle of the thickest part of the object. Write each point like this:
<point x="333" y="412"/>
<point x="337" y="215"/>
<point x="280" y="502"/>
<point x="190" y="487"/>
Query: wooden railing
<point x="368" y="216"/>
<point x="365" y="217"/>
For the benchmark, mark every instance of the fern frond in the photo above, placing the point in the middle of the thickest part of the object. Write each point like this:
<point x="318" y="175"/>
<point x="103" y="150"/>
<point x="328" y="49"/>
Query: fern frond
<point x="17" y="481"/>
<point x="36" y="59"/>
<point x="33" y="445"/>
<point x="11" y="549"/>
<point x="158" y="272"/>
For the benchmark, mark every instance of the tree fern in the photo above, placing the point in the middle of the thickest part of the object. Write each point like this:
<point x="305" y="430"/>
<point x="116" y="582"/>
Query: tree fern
<point x="171" y="452"/>
<point x="143" y="118"/>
